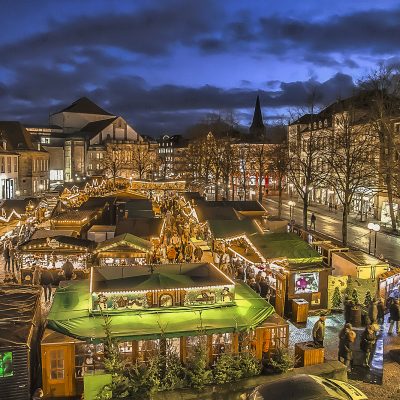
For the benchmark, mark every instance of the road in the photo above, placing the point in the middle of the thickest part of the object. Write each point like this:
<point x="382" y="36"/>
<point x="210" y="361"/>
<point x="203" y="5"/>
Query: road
<point x="358" y="236"/>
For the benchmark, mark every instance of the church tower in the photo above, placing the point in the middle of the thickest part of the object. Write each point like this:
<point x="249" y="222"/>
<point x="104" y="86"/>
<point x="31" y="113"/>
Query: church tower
<point x="257" y="127"/>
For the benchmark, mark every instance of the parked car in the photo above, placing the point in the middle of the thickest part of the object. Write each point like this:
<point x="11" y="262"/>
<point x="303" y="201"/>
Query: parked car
<point x="307" y="387"/>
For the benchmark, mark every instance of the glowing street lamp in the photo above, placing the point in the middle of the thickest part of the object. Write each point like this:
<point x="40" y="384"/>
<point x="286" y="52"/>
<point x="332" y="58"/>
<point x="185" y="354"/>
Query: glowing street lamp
<point x="373" y="228"/>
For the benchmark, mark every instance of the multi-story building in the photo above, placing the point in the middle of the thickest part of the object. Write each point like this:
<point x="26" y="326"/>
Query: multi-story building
<point x="171" y="150"/>
<point x="24" y="165"/>
<point x="79" y="138"/>
<point x="319" y="127"/>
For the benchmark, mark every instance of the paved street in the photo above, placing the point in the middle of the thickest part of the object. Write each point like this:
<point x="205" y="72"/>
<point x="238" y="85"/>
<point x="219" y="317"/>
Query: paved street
<point x="330" y="224"/>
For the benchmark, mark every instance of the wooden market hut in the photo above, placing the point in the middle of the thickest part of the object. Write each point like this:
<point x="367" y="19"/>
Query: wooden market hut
<point x="295" y="268"/>
<point x="52" y="253"/>
<point x="145" y="228"/>
<point x="326" y="248"/>
<point x="123" y="250"/>
<point x="20" y="326"/>
<point x="358" y="264"/>
<point x="149" y="304"/>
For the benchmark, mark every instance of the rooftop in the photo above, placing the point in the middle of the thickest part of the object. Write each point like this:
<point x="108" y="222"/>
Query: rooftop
<point x="70" y="315"/>
<point x="157" y="277"/>
<point x="84" y="106"/>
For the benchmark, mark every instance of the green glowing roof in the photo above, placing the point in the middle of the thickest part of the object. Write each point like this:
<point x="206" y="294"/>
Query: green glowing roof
<point x="70" y="315"/>
<point x="285" y="245"/>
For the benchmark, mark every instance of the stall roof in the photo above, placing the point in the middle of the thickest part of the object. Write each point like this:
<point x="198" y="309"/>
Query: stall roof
<point x="97" y="203"/>
<point x="360" y="258"/>
<point x="285" y="245"/>
<point x="158" y="277"/>
<point x="242" y="206"/>
<point x="74" y="216"/>
<point x="139" y="208"/>
<point x="223" y="229"/>
<point x="57" y="242"/>
<point x="102" y="228"/>
<point x="45" y="233"/>
<point x="145" y="228"/>
<point x="125" y="240"/>
<point x="18" y="305"/>
<point x="70" y="315"/>
<point x="205" y="213"/>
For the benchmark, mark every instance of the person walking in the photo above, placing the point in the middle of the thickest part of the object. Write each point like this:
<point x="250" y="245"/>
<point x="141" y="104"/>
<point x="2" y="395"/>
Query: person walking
<point x="318" y="331"/>
<point x="346" y="337"/>
<point x="313" y="220"/>
<point x="373" y="311"/>
<point x="348" y="305"/>
<point x="46" y="280"/>
<point x="68" y="269"/>
<point x="264" y="287"/>
<point x="381" y="312"/>
<point x="6" y="256"/>
<point x="367" y="342"/>
<point x="394" y="311"/>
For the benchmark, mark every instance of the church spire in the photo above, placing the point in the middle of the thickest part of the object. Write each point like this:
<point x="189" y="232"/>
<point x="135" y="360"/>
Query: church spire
<point x="257" y="126"/>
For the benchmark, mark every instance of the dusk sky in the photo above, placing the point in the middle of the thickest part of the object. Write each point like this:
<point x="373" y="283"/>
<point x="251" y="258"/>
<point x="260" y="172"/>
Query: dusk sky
<point x="164" y="65"/>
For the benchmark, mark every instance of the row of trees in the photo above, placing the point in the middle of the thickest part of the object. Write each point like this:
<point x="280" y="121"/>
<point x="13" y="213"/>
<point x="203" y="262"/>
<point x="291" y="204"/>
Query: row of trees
<point x="350" y="148"/>
<point x="229" y="161"/>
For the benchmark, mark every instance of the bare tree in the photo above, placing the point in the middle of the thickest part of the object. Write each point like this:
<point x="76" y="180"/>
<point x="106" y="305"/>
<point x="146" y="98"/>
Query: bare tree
<point x="304" y="152"/>
<point x="348" y="157"/>
<point x="114" y="161"/>
<point x="383" y="91"/>
<point x="278" y="164"/>
<point x="143" y="160"/>
<point x="243" y="162"/>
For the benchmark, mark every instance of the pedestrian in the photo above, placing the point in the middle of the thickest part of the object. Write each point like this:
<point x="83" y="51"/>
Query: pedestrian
<point x="373" y="311"/>
<point x="394" y="311"/>
<point x="11" y="252"/>
<point x="171" y="254"/>
<point x="254" y="285"/>
<point x="46" y="280"/>
<point x="381" y="312"/>
<point x="6" y="256"/>
<point x="346" y="337"/>
<point x="36" y="275"/>
<point x="68" y="269"/>
<point x="264" y="287"/>
<point x="318" y="331"/>
<point x="198" y="254"/>
<point x="313" y="220"/>
<point x="367" y="342"/>
<point x="348" y="305"/>
<point x="330" y="206"/>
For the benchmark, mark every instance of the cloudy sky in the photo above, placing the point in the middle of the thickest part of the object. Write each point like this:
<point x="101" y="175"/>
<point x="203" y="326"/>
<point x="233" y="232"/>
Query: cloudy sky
<point x="163" y="65"/>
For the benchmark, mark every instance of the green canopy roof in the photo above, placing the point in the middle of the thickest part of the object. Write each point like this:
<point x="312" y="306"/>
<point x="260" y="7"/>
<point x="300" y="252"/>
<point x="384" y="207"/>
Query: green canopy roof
<point x="70" y="315"/>
<point x="125" y="240"/>
<point x="222" y="229"/>
<point x="285" y="245"/>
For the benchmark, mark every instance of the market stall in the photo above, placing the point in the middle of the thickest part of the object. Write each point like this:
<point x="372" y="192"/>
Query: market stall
<point x="326" y="248"/>
<point x="389" y="284"/>
<point x="20" y="326"/>
<point x="148" y="305"/>
<point x="358" y="264"/>
<point x="123" y="250"/>
<point x="53" y="253"/>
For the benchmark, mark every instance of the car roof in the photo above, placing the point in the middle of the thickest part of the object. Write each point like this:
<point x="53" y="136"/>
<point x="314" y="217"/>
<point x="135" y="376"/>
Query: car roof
<point x="298" y="387"/>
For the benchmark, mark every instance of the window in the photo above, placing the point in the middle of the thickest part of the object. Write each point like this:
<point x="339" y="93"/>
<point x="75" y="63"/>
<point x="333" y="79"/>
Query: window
<point x="8" y="165"/>
<point x="166" y="300"/>
<point x="15" y="164"/>
<point x="88" y="359"/>
<point x="57" y="364"/>
<point x="3" y="166"/>
<point x="6" y="364"/>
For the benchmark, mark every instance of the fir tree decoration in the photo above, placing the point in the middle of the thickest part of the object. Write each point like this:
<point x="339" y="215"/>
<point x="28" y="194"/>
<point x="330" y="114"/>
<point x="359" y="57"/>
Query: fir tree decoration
<point x="336" y="299"/>
<point x="368" y="298"/>
<point x="354" y="296"/>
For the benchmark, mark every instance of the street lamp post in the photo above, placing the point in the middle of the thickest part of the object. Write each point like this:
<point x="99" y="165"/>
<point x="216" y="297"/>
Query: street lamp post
<point x="373" y="228"/>
<point x="291" y="207"/>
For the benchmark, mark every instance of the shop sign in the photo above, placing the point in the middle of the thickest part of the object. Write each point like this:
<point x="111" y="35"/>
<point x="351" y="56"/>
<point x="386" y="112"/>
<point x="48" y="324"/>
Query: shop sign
<point x="53" y="243"/>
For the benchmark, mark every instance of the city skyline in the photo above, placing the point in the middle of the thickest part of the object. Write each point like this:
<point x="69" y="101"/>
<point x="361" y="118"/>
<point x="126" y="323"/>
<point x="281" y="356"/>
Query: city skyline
<point x="163" y="72"/>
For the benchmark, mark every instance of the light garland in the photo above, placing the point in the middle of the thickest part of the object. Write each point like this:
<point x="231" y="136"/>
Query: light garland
<point x="13" y="212"/>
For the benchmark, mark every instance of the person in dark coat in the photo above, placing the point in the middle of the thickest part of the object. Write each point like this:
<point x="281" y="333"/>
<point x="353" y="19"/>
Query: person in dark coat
<point x="346" y="337"/>
<point x="348" y="304"/>
<point x="381" y="312"/>
<point x="367" y="342"/>
<point x="264" y="287"/>
<point x="394" y="311"/>
<point x="46" y="280"/>
<point x="6" y="256"/>
<point x="318" y="331"/>
<point x="373" y="311"/>
<point x="254" y="285"/>
<point x="68" y="269"/>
